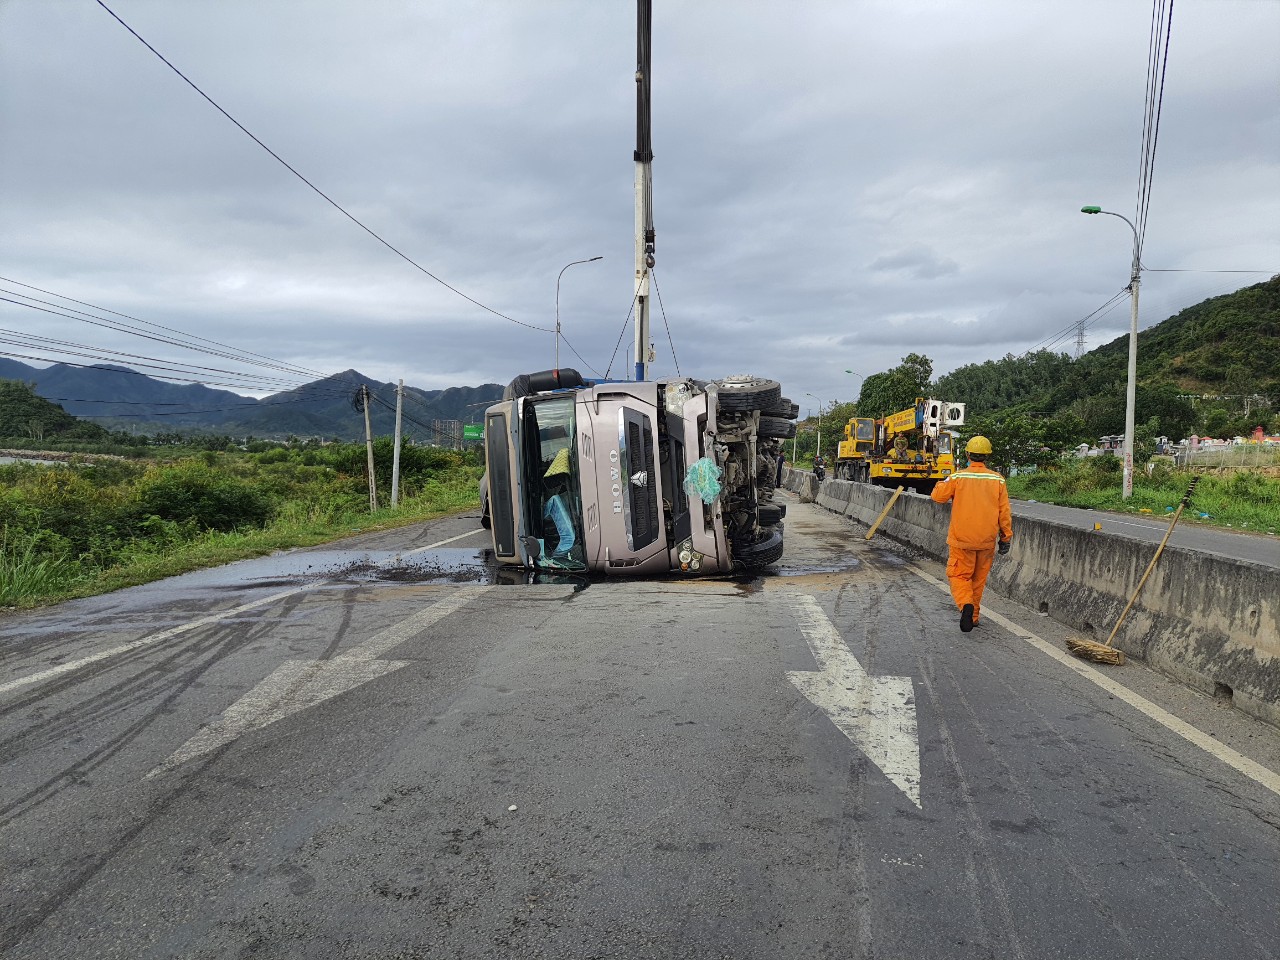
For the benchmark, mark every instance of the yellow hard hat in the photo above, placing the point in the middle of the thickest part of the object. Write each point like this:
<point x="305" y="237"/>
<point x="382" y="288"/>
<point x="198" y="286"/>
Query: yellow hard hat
<point x="979" y="445"/>
<point x="559" y="465"/>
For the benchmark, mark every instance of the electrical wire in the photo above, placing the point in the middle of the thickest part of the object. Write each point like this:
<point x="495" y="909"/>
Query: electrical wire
<point x="634" y="297"/>
<point x="240" y="354"/>
<point x="439" y="434"/>
<point x="1157" y="67"/>
<point x="584" y="360"/>
<point x="31" y="341"/>
<point x="202" y="381"/>
<point x="333" y="203"/>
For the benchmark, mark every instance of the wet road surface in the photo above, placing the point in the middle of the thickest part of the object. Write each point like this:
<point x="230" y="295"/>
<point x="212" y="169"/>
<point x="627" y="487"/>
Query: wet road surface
<point x="390" y="748"/>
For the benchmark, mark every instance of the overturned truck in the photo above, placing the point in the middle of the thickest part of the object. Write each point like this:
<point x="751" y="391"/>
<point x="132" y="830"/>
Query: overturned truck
<point x="636" y="477"/>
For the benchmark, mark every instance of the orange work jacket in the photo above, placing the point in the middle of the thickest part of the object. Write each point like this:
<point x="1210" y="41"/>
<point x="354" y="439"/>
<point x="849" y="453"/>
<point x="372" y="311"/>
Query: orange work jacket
<point x="979" y="508"/>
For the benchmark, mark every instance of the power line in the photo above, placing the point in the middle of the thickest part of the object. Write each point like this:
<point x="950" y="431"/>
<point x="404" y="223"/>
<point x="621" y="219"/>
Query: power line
<point x="244" y="354"/>
<point x="1157" y="65"/>
<point x="136" y="373"/>
<point x="634" y="297"/>
<point x="70" y="348"/>
<point x="333" y="203"/>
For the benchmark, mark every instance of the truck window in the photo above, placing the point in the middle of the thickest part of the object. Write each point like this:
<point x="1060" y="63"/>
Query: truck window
<point x="552" y="491"/>
<point x="499" y="473"/>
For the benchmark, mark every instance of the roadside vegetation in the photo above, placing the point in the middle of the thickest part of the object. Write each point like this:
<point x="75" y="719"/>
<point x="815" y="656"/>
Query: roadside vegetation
<point x="96" y="525"/>
<point x="1241" y="500"/>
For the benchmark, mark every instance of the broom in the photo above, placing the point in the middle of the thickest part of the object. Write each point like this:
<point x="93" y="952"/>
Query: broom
<point x="1105" y="652"/>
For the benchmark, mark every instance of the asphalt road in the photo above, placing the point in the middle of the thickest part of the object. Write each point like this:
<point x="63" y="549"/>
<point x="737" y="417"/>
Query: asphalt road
<point x="1255" y="547"/>
<point x="371" y="753"/>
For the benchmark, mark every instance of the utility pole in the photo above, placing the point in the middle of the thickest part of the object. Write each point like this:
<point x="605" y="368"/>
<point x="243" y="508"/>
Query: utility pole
<point x="1135" y="271"/>
<point x="395" y="456"/>
<point x="368" y="445"/>
<point x="645" y="236"/>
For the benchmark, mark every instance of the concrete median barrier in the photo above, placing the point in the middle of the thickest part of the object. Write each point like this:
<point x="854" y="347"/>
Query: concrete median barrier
<point x="1209" y="622"/>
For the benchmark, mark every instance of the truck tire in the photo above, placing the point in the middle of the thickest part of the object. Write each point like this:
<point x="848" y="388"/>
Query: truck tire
<point x="777" y="427"/>
<point x="784" y="409"/>
<point x="771" y="513"/>
<point x="745" y="392"/>
<point x="766" y="550"/>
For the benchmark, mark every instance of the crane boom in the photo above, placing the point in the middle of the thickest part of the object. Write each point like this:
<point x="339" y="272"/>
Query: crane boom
<point x="644" y="186"/>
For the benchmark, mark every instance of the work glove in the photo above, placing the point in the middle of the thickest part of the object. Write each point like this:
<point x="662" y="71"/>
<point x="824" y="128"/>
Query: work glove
<point x="1003" y="547"/>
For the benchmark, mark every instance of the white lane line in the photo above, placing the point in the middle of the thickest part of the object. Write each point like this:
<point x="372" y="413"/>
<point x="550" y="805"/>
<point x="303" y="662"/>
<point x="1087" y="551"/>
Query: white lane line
<point x="298" y="684"/>
<point x="169" y="634"/>
<point x="138" y="644"/>
<point x="876" y="714"/>
<point x="441" y="543"/>
<point x="1238" y="761"/>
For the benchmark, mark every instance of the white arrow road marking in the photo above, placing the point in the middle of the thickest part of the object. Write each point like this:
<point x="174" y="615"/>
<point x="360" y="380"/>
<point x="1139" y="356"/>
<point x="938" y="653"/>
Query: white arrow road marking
<point x="877" y="714"/>
<point x="298" y="684"/>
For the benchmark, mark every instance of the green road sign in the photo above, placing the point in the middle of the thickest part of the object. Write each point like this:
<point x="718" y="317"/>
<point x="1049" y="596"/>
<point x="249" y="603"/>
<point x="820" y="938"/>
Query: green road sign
<point x="473" y="431"/>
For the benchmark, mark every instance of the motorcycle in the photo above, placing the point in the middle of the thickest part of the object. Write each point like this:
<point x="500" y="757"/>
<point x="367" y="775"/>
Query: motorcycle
<point x="820" y="471"/>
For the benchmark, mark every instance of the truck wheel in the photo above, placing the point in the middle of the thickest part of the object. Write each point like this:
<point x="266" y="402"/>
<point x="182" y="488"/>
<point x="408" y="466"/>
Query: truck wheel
<point x="745" y="392"/>
<point x="771" y="513"/>
<point x="777" y="427"/>
<point x="784" y="408"/>
<point x="766" y="550"/>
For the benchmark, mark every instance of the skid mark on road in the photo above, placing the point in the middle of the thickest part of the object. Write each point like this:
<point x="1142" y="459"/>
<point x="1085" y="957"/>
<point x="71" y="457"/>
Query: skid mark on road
<point x="978" y="855"/>
<point x="298" y="684"/>
<point x="147" y="641"/>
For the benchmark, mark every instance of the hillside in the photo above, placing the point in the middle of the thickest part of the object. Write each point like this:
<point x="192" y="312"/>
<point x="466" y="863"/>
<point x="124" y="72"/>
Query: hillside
<point x="27" y="416"/>
<point x="1213" y="368"/>
<point x="118" y="398"/>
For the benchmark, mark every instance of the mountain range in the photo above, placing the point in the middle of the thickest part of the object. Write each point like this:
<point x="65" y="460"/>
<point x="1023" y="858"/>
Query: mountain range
<point x="119" y="398"/>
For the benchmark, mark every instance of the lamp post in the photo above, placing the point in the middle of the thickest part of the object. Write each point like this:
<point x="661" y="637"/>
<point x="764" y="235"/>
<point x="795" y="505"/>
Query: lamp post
<point x="1130" y="400"/>
<point x="819" y="451"/>
<point x="558" y="276"/>
<point x="860" y="377"/>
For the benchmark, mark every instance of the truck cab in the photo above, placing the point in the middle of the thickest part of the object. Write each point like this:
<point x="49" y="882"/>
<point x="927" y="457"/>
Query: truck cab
<point x="635" y="478"/>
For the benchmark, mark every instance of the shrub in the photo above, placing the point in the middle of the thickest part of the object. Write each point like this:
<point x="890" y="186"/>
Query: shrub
<point x="192" y="492"/>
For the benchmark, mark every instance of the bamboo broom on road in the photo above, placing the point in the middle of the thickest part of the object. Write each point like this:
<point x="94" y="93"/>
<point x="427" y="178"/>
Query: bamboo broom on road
<point x="1105" y="652"/>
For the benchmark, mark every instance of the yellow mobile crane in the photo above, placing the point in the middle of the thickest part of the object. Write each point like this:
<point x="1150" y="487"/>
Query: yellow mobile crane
<point x="910" y="448"/>
<point x="854" y="449"/>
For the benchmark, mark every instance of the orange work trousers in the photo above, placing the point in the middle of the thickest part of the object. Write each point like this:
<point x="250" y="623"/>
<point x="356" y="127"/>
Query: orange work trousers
<point x="967" y="571"/>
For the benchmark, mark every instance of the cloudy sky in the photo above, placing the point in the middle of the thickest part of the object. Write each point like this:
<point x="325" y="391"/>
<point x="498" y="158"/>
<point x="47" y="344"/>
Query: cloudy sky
<point x="837" y="183"/>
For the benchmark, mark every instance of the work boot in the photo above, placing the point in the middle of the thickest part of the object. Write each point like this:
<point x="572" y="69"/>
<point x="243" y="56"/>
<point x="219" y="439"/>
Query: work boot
<point x="966" y="618"/>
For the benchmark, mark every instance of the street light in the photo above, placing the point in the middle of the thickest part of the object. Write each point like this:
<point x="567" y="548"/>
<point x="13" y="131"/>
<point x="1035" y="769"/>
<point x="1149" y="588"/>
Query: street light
<point x="1130" y="399"/>
<point x="860" y="377"/>
<point x="558" y="276"/>
<point x="819" y="453"/>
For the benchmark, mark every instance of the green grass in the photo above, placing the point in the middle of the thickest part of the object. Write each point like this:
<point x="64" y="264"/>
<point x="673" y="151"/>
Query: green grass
<point x="25" y="572"/>
<point x="1238" y="501"/>
<point x="38" y="569"/>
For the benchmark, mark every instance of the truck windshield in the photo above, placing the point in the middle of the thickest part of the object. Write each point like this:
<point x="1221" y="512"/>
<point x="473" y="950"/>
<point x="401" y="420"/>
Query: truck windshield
<point x="552" y="492"/>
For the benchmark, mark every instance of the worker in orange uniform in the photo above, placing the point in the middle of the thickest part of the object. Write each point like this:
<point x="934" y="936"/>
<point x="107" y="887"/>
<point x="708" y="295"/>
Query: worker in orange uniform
<point x="981" y="524"/>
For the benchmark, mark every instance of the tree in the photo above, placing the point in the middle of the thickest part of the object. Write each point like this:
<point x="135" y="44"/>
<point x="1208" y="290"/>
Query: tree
<point x="885" y="393"/>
